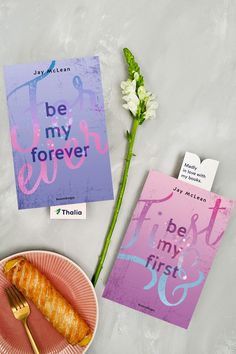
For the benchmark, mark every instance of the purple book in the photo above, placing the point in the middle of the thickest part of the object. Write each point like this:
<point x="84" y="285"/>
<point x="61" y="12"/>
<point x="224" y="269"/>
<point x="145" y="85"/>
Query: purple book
<point x="58" y="132"/>
<point x="168" y="249"/>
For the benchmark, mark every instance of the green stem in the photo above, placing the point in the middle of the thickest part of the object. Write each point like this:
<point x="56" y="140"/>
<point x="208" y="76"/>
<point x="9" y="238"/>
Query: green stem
<point x="119" y="198"/>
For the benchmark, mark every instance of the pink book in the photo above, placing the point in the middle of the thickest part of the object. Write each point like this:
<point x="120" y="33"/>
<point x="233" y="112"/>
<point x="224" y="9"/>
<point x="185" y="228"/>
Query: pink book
<point x="168" y="249"/>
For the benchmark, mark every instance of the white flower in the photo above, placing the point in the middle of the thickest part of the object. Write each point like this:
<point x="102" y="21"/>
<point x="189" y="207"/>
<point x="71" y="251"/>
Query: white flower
<point x="128" y="86"/>
<point x="142" y="93"/>
<point x="131" y="106"/>
<point x="151" y="106"/>
<point x="133" y="98"/>
<point x="150" y="102"/>
<point x="129" y="95"/>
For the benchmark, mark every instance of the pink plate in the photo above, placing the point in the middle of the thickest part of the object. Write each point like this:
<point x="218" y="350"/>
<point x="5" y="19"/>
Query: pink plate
<point x="71" y="282"/>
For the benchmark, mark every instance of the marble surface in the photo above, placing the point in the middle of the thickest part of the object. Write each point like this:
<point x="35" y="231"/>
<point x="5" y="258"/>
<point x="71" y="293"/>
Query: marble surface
<point x="187" y="52"/>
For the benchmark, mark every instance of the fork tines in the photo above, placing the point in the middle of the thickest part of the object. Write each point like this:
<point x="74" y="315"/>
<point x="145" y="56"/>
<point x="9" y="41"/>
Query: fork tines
<point x="16" y="299"/>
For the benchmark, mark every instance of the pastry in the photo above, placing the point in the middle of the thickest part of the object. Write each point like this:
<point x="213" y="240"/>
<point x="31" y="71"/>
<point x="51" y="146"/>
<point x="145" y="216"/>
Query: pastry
<point x="35" y="286"/>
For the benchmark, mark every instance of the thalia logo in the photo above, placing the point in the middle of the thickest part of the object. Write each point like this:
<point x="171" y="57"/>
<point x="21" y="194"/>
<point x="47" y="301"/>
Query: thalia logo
<point x="68" y="212"/>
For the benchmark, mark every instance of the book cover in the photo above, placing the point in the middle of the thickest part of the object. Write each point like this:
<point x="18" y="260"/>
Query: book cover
<point x="58" y="132"/>
<point x="168" y="249"/>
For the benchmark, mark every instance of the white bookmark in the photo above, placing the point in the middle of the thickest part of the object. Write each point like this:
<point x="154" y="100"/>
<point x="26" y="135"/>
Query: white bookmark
<point x="198" y="173"/>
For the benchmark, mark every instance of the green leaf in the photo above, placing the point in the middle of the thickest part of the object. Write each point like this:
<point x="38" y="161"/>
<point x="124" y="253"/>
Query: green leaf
<point x="128" y="135"/>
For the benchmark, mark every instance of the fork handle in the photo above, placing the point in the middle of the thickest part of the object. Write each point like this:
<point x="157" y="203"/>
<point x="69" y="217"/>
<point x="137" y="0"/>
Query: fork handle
<point x="31" y="339"/>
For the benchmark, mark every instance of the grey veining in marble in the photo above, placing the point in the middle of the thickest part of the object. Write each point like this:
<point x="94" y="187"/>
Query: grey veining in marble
<point x="187" y="51"/>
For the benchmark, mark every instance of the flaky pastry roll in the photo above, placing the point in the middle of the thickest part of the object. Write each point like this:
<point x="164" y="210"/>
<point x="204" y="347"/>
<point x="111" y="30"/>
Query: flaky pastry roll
<point x="35" y="286"/>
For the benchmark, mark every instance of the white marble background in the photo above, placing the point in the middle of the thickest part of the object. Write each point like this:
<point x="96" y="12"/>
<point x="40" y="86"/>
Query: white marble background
<point x="187" y="51"/>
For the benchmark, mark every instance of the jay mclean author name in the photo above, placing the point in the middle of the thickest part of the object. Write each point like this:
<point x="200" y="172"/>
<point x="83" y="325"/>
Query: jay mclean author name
<point x="188" y="194"/>
<point x="51" y="71"/>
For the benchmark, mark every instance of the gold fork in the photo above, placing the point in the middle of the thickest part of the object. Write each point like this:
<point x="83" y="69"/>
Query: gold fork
<point x="21" y="311"/>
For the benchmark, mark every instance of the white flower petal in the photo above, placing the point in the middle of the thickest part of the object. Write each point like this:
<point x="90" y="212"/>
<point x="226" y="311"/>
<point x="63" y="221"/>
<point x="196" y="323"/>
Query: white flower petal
<point x="142" y="92"/>
<point x="152" y="105"/>
<point x="131" y="98"/>
<point x="125" y="106"/>
<point x="134" y="84"/>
